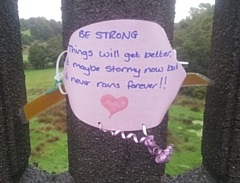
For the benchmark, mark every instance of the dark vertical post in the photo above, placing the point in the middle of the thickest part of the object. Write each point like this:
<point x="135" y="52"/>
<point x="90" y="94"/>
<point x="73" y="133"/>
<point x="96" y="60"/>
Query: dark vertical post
<point x="221" y="133"/>
<point x="14" y="131"/>
<point x="95" y="156"/>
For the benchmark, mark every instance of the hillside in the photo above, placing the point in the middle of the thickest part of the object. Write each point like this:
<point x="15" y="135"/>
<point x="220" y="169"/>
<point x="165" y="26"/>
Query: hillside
<point x="41" y="38"/>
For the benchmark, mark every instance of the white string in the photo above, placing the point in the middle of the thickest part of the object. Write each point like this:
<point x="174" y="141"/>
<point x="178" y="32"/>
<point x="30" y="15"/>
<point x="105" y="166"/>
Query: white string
<point x="128" y="136"/>
<point x="59" y="75"/>
<point x="181" y="62"/>
<point x="144" y="129"/>
<point x="162" y="155"/>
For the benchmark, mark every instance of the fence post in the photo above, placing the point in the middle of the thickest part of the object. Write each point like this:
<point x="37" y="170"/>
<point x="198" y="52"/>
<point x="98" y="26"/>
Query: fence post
<point x="221" y="133"/>
<point x="95" y="156"/>
<point x="14" y="130"/>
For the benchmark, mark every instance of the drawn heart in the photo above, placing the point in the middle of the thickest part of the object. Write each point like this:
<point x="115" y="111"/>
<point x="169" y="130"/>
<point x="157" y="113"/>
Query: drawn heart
<point x="112" y="104"/>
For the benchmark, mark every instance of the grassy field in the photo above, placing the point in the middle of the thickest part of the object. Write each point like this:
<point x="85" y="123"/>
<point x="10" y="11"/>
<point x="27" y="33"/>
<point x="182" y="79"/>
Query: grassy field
<point x="184" y="131"/>
<point x="49" y="139"/>
<point x="26" y="32"/>
<point x="48" y="130"/>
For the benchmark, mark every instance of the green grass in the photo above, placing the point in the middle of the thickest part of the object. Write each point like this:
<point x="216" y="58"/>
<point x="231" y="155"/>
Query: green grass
<point x="49" y="144"/>
<point x="25" y="57"/>
<point x="26" y="32"/>
<point x="49" y="147"/>
<point x="186" y="136"/>
<point x="39" y="81"/>
<point x="43" y="78"/>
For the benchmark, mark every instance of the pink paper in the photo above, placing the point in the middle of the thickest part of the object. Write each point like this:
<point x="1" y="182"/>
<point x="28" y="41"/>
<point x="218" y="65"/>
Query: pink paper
<point x="121" y="73"/>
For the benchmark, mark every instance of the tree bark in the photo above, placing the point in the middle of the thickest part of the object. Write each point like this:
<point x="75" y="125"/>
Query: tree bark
<point x="221" y="133"/>
<point x="95" y="156"/>
<point x="14" y="130"/>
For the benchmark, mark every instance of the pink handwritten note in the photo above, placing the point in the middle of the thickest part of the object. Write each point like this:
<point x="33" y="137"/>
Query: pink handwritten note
<point x="121" y="73"/>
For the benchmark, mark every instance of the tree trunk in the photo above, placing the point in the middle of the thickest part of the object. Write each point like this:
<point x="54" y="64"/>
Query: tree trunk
<point x="14" y="130"/>
<point x="95" y="156"/>
<point x="221" y="133"/>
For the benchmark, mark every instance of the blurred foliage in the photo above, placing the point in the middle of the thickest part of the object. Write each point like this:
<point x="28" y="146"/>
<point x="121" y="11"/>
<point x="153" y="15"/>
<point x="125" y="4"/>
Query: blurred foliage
<point x="26" y="39"/>
<point x="54" y="48"/>
<point x="37" y="56"/>
<point x="192" y="38"/>
<point x="40" y="28"/>
<point x="41" y="39"/>
<point x="197" y="92"/>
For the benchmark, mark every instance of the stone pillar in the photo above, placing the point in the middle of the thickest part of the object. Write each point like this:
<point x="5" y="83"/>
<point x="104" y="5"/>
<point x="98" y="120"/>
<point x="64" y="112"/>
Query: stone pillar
<point x="221" y="133"/>
<point x="95" y="156"/>
<point x="14" y="130"/>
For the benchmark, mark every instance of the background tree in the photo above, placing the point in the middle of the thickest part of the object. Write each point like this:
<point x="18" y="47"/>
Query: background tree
<point x="14" y="130"/>
<point x="95" y="156"/>
<point x="54" y="48"/>
<point x="37" y="56"/>
<point x="25" y="24"/>
<point x="192" y="38"/>
<point x="26" y="40"/>
<point x="42" y="29"/>
<point x="56" y="26"/>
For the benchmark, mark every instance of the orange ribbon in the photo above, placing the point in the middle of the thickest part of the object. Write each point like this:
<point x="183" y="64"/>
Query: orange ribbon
<point x="45" y="101"/>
